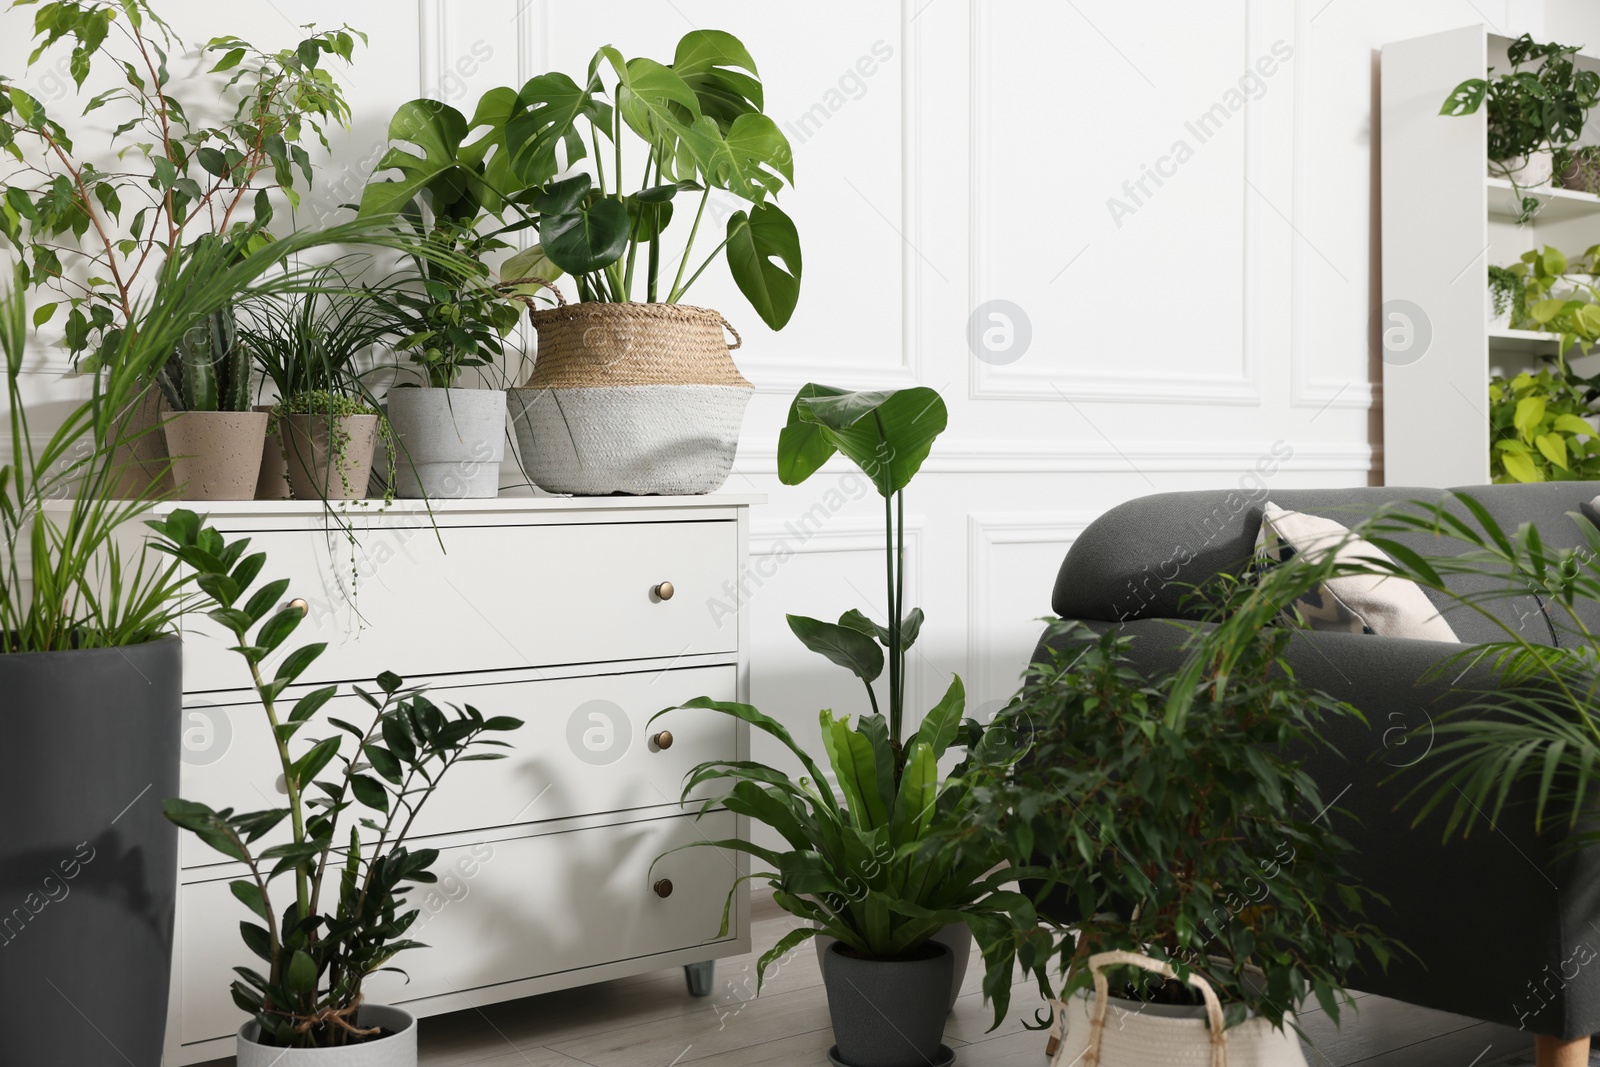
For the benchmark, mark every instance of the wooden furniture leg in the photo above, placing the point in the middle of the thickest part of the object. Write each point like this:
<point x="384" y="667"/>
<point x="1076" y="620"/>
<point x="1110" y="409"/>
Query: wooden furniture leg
<point x="1553" y="1052"/>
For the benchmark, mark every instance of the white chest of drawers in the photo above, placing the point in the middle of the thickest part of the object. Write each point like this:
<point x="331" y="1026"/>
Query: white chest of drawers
<point x="544" y="608"/>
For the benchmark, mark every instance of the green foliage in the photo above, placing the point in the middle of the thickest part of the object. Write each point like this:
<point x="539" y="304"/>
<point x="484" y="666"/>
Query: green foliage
<point x="872" y="869"/>
<point x="1181" y="829"/>
<point x="887" y="434"/>
<point x="349" y="916"/>
<point x="1530" y="110"/>
<point x="703" y="128"/>
<point x="210" y="368"/>
<point x="313" y="342"/>
<point x="93" y="237"/>
<point x="1508" y="294"/>
<point x="447" y="317"/>
<point x="1534" y="734"/>
<point x="62" y="501"/>
<point x="1542" y="429"/>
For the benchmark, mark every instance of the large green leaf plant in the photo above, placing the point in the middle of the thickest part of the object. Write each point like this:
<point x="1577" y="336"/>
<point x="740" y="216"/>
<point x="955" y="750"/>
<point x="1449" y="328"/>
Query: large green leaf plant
<point x="556" y="155"/>
<point x="869" y="864"/>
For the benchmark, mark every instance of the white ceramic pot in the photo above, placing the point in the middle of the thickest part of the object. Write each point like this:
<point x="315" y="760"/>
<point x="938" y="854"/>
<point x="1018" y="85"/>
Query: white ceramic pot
<point x="1527" y="171"/>
<point x="956" y="937"/>
<point x="448" y="442"/>
<point x="397" y="1049"/>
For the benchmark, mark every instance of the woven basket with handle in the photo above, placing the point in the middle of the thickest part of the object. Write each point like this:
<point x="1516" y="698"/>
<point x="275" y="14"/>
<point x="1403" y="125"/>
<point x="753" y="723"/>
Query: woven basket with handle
<point x="1097" y="1032"/>
<point x="630" y="398"/>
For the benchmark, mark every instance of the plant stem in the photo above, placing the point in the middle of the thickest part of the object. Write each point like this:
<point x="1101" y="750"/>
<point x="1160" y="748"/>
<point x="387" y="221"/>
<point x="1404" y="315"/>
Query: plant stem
<point x="677" y="282"/>
<point x="673" y="299"/>
<point x="900" y="589"/>
<point x="894" y="628"/>
<point x="296" y="816"/>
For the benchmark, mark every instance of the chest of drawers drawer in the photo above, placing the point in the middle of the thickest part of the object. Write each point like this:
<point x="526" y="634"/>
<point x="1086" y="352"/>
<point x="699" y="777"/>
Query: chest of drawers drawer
<point x="477" y="598"/>
<point x="585" y="747"/>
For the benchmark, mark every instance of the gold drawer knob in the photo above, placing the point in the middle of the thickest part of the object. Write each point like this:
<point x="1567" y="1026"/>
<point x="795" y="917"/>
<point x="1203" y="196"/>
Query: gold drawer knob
<point x="663" y="887"/>
<point x="663" y="739"/>
<point x="301" y="606"/>
<point x="663" y="591"/>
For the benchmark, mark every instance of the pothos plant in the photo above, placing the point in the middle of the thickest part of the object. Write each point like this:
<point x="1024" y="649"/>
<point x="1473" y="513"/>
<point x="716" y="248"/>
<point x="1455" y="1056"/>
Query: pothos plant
<point x="556" y="154"/>
<point x="340" y="913"/>
<point x="1542" y="429"/>
<point x="1540" y="103"/>
<point x="176" y="178"/>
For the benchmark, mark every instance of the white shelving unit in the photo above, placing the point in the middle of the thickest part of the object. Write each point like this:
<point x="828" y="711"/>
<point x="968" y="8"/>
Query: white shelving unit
<point x="1444" y="223"/>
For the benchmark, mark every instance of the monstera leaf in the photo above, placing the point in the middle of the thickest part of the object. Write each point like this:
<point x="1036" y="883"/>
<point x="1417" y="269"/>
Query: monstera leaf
<point x="587" y="239"/>
<point x="887" y="433"/>
<point x="653" y="100"/>
<point x="723" y="77"/>
<point x="764" y="256"/>
<point x="489" y="154"/>
<point x="438" y="130"/>
<point x="752" y="161"/>
<point x="545" y="116"/>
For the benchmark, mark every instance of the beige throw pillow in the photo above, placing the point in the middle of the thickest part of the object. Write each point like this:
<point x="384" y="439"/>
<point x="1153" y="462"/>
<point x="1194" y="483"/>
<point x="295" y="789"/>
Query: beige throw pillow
<point x="1353" y="603"/>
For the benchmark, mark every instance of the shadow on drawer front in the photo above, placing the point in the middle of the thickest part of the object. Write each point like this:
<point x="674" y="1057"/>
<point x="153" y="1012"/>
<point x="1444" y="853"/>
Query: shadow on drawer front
<point x="494" y="597"/>
<point x="583" y="749"/>
<point x="503" y="911"/>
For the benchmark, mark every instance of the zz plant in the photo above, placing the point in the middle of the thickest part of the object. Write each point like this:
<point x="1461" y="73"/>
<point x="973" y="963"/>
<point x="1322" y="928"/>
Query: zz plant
<point x="330" y="900"/>
<point x="644" y="133"/>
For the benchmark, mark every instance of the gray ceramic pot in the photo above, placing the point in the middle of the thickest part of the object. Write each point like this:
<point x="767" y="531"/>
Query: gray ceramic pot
<point x="319" y="472"/>
<point x="448" y="442"/>
<point x="956" y="937"/>
<point x="888" y="1014"/>
<point x="89" y="749"/>
<point x="216" y="455"/>
<point x="398" y="1049"/>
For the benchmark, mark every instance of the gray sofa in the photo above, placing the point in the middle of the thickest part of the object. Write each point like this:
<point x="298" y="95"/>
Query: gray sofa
<point x="1505" y="923"/>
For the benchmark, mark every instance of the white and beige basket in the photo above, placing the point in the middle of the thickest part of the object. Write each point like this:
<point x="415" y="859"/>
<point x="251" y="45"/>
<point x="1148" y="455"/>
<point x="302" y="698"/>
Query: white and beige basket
<point x="1087" y="1035"/>
<point x="630" y="398"/>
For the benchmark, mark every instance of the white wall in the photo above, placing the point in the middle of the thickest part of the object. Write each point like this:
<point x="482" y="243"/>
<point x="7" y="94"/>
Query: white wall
<point x="1178" y="331"/>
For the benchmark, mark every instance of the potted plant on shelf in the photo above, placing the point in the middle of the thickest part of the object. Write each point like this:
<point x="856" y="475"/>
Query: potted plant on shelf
<point x="1582" y="169"/>
<point x="1533" y="115"/>
<point x="346" y="915"/>
<point x="1508" y="297"/>
<point x="451" y="439"/>
<point x="1181" y="832"/>
<point x="1543" y="429"/>
<point x="866" y="868"/>
<point x="625" y="396"/>
<point x="326" y="422"/>
<point x="192" y="182"/>
<point x="214" y="438"/>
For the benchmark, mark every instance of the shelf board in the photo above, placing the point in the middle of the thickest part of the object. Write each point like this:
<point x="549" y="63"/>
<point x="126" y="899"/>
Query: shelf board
<point x="1523" y="342"/>
<point x="1557" y="205"/>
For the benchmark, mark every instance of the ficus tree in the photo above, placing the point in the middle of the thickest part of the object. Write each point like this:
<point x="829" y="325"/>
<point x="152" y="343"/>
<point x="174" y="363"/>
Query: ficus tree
<point x="93" y="235"/>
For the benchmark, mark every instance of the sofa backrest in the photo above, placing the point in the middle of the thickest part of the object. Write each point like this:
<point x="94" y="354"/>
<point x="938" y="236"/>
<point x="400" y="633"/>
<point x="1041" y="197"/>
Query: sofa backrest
<point x="1141" y="558"/>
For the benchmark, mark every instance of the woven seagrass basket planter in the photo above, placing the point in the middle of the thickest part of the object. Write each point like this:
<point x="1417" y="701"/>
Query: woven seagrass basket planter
<point x="630" y="398"/>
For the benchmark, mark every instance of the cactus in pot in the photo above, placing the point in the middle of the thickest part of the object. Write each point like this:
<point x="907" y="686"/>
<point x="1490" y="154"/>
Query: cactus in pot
<point x="214" y="438"/>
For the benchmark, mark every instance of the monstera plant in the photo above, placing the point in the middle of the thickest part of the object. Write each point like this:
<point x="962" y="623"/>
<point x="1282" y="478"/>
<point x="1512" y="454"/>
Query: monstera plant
<point x="597" y="163"/>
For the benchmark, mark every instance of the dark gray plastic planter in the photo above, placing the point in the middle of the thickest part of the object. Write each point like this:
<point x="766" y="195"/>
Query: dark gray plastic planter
<point x="89" y="749"/>
<point x="888" y="1014"/>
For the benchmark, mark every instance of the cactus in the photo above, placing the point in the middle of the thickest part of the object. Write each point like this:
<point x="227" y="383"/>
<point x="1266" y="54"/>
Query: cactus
<point x="210" y="369"/>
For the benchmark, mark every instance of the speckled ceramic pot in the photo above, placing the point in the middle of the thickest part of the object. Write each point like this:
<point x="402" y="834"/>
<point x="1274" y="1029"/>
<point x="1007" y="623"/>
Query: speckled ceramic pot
<point x="272" y="483"/>
<point x="140" y="458"/>
<point x="216" y="455"/>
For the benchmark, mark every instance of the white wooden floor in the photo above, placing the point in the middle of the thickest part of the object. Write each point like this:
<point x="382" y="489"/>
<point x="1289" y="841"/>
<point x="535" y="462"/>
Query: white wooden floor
<point x="651" y="1021"/>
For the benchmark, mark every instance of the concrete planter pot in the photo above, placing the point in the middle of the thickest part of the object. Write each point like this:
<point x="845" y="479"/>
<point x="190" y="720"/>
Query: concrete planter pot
<point x="328" y="459"/>
<point x="888" y="1013"/>
<point x="397" y="1048"/>
<point x="216" y="455"/>
<point x="272" y="483"/>
<point x="89" y="748"/>
<point x="448" y="442"/>
<point x="956" y="937"/>
<point x="140" y="456"/>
